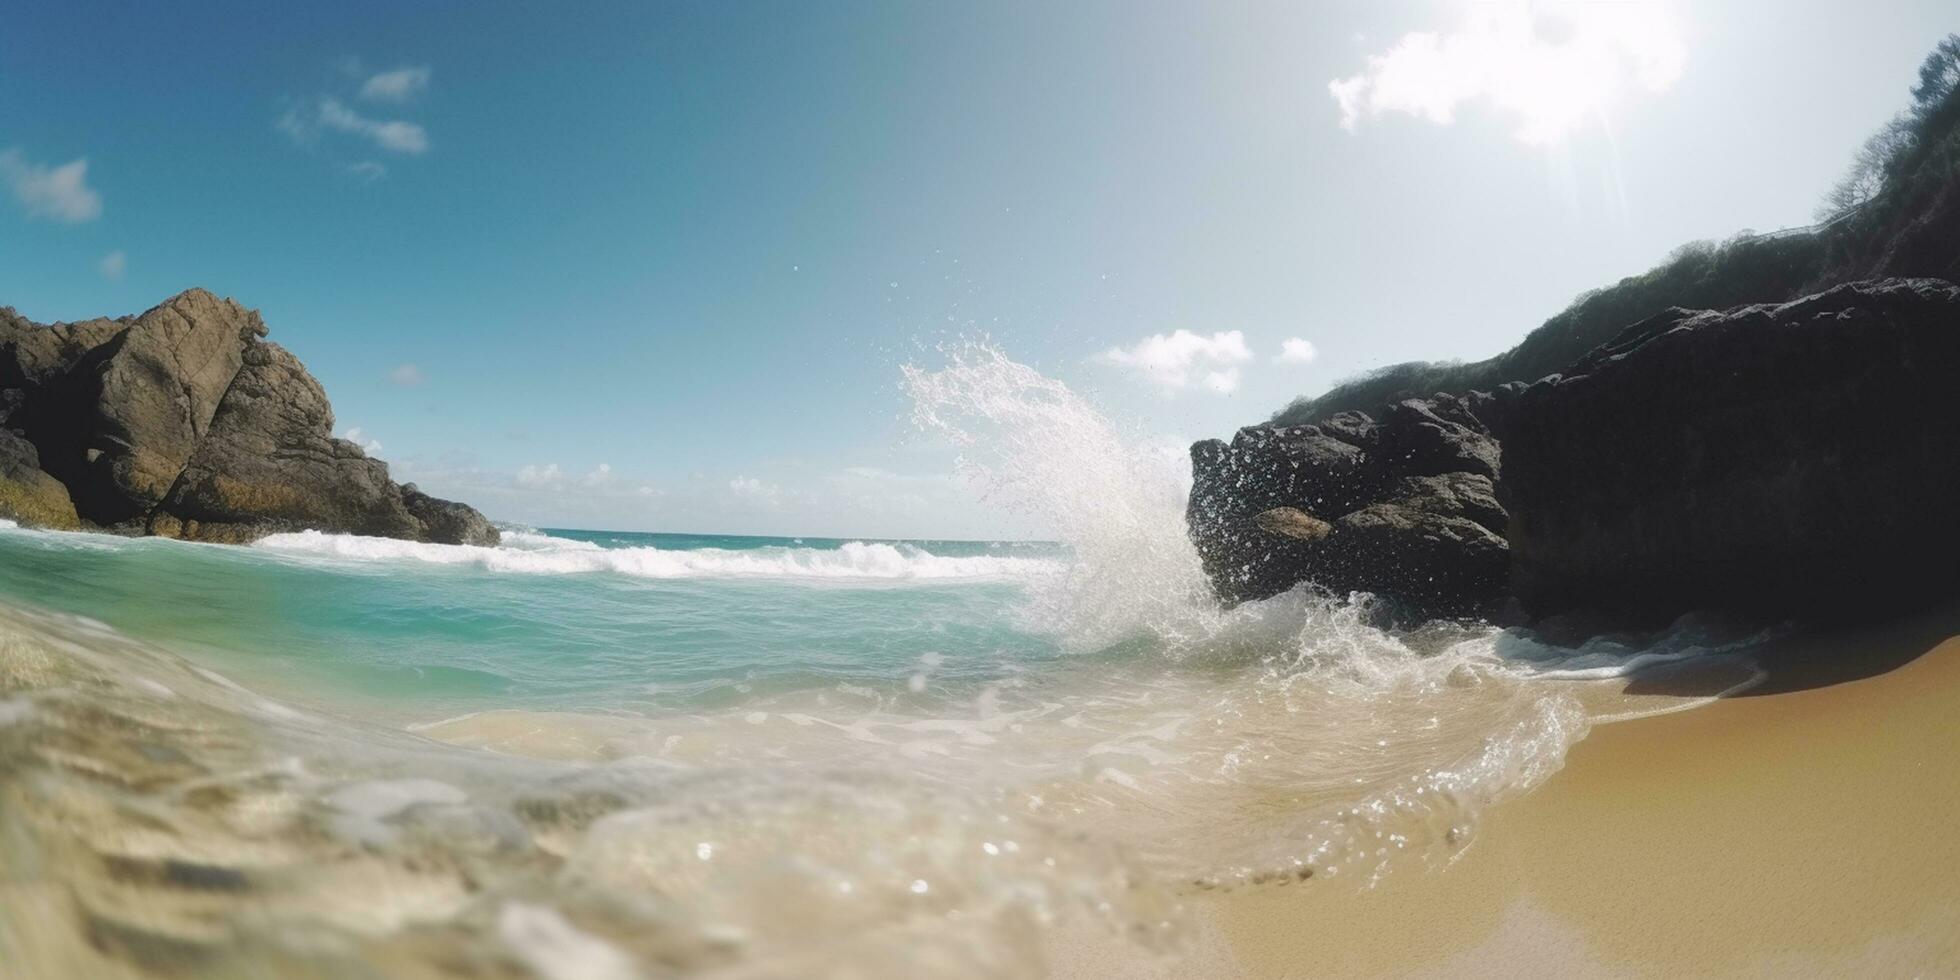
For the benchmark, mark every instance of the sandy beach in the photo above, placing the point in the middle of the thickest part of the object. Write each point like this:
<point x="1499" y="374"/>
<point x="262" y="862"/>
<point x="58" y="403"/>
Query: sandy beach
<point x="1803" y="827"/>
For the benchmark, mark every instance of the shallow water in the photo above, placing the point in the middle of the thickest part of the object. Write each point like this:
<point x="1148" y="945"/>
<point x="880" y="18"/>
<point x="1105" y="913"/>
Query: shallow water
<point x="589" y="754"/>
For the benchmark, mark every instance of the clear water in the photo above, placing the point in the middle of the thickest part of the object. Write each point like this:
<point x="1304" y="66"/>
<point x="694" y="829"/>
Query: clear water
<point x="553" y="620"/>
<point x="597" y="754"/>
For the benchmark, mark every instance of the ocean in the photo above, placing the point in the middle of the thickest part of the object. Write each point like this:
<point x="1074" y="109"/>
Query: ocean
<point x="605" y="754"/>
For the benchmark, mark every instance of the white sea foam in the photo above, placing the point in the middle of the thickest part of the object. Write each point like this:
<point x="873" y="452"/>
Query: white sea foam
<point x="555" y="949"/>
<point x="14" y="710"/>
<point x="362" y="810"/>
<point x="1692" y="637"/>
<point x="539" y="554"/>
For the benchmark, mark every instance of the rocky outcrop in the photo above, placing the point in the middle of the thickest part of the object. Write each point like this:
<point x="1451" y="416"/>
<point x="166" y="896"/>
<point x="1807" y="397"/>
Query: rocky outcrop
<point x="1404" y="507"/>
<point x="158" y="388"/>
<point x="1782" y="459"/>
<point x="447" y="520"/>
<point x="184" y="421"/>
<point x="1785" y="458"/>
<point x="267" y="454"/>
<point x="27" y="494"/>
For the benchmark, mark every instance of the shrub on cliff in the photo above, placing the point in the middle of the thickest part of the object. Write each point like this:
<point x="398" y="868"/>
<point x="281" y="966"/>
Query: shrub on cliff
<point x="1703" y="275"/>
<point x="1900" y="200"/>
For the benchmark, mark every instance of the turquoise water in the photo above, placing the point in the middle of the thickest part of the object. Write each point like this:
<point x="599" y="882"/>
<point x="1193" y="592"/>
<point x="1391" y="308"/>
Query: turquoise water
<point x="547" y="623"/>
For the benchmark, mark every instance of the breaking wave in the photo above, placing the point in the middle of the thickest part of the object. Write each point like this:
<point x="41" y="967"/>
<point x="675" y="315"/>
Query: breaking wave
<point x="525" y="553"/>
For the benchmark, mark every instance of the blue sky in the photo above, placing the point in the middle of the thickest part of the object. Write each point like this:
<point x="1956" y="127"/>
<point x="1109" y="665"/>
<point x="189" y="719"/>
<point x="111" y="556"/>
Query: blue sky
<point x="656" y="266"/>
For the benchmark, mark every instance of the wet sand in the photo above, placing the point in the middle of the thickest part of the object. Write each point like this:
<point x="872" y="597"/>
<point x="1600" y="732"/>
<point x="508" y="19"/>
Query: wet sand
<point x="1807" y="826"/>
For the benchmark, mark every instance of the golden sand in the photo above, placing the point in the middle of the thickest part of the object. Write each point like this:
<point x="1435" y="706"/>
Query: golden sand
<point x="1808" y="826"/>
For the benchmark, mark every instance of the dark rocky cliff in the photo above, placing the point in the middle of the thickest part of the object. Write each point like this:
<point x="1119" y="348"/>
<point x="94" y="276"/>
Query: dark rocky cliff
<point x="1404" y="507"/>
<point x="1788" y="459"/>
<point x="185" y="422"/>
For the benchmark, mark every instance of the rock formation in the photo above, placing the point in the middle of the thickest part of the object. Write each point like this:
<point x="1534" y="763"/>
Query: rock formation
<point x="185" y="422"/>
<point x="1785" y="458"/>
<point x="1404" y="508"/>
<point x="1779" y="459"/>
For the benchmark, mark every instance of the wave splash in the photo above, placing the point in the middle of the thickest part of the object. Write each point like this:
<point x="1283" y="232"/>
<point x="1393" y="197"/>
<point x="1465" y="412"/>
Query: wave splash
<point x="1336" y="745"/>
<point x="1030" y="446"/>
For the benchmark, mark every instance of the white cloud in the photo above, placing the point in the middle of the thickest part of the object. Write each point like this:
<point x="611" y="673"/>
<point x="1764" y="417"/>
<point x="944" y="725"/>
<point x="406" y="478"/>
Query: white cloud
<point x="540" y="476"/>
<point x="1294" y="350"/>
<point x="394" y="135"/>
<point x="1549" y="65"/>
<point x="305" y="124"/>
<point x="1224" y="382"/>
<point x="1174" y="361"/>
<point x="398" y="85"/>
<point x="600" y="476"/>
<point x="114" y="264"/>
<point x="298" y="126"/>
<point x="407" y="375"/>
<point x="921" y="498"/>
<point x="910" y="495"/>
<point x="356" y="436"/>
<point x="57" y="193"/>
<point x="750" y="488"/>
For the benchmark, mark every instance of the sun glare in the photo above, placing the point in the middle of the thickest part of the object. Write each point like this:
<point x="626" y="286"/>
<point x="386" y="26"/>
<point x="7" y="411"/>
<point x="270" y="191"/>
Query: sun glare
<point x="1549" y="66"/>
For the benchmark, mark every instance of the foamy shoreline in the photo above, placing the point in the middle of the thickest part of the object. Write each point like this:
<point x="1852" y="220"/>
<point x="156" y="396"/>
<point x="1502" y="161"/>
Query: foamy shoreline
<point x="1803" y="827"/>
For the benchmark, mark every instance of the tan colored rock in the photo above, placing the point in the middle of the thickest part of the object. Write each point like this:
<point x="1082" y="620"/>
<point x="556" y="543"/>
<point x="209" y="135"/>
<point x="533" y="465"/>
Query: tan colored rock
<point x="159" y="390"/>
<point x="1294" y="523"/>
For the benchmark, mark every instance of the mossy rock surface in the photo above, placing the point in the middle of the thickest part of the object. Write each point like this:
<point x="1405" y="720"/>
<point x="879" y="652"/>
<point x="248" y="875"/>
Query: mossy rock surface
<point x="38" y="501"/>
